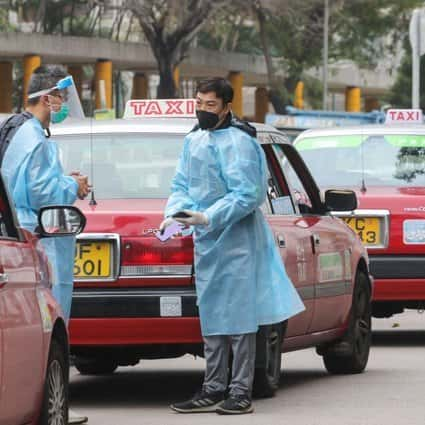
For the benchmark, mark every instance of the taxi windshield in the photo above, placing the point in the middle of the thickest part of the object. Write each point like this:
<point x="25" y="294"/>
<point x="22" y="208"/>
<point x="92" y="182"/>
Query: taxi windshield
<point x="378" y="160"/>
<point x="123" y="165"/>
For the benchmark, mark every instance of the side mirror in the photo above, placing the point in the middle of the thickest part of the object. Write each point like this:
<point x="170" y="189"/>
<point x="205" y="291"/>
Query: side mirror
<point x="60" y="220"/>
<point x="340" y="200"/>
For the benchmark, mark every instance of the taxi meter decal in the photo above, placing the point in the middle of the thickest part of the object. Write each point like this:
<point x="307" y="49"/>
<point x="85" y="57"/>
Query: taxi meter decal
<point x="175" y="108"/>
<point x="404" y="116"/>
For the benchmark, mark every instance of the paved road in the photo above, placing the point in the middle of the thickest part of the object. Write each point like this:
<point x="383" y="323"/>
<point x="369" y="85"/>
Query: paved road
<point x="391" y="392"/>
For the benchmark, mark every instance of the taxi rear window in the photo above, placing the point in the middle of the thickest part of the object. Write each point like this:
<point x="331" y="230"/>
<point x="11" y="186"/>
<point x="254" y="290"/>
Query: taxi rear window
<point x="122" y="165"/>
<point x="381" y="160"/>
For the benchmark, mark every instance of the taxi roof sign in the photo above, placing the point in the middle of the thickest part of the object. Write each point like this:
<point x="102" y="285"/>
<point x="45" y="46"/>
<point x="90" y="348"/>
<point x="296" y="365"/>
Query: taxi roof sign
<point x="160" y="108"/>
<point x="404" y="116"/>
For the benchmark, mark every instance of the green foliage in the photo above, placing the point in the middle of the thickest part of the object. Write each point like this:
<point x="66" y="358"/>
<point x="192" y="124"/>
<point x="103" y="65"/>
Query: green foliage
<point x="365" y="30"/>
<point x="360" y="30"/>
<point x="401" y="92"/>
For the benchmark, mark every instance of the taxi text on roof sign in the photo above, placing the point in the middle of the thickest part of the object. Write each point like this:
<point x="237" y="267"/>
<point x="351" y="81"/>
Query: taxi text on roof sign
<point x="404" y="116"/>
<point x="154" y="108"/>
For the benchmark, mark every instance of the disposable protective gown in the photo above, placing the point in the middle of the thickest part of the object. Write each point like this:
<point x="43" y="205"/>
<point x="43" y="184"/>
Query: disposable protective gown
<point x="35" y="178"/>
<point x="241" y="281"/>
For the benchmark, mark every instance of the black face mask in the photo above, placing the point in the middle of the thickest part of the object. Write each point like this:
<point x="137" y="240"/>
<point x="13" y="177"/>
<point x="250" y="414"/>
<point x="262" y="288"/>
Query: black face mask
<point x="207" y="120"/>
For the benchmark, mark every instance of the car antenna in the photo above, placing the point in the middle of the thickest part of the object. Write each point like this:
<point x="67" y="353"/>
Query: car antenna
<point x="363" y="188"/>
<point x="92" y="197"/>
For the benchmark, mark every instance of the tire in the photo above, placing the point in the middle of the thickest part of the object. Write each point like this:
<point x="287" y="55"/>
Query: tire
<point x="351" y="354"/>
<point x="95" y="366"/>
<point x="54" y="410"/>
<point x="268" y="360"/>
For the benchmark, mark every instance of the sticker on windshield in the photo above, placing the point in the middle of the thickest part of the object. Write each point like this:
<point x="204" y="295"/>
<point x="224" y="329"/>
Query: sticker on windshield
<point x="414" y="232"/>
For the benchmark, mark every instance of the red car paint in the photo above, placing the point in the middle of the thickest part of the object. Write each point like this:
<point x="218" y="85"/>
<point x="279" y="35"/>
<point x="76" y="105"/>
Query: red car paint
<point x="25" y="339"/>
<point x="397" y="266"/>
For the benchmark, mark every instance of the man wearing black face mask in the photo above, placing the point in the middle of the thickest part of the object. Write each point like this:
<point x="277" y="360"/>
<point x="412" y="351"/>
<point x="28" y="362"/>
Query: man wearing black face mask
<point x="241" y="283"/>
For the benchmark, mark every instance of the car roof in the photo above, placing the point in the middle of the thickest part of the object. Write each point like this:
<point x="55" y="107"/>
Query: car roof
<point x="149" y="125"/>
<point x="377" y="129"/>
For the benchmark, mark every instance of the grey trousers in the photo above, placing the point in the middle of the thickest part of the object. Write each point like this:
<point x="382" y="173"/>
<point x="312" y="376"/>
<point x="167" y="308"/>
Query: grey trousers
<point x="217" y="350"/>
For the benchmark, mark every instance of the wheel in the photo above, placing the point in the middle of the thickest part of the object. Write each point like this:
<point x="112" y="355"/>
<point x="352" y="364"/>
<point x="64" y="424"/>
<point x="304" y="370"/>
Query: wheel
<point x="54" y="410"/>
<point x="95" y="366"/>
<point x="268" y="360"/>
<point x="351" y="354"/>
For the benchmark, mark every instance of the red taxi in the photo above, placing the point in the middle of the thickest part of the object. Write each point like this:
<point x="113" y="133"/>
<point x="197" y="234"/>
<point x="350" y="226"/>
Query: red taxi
<point x="34" y="363"/>
<point x="135" y="297"/>
<point x="385" y="165"/>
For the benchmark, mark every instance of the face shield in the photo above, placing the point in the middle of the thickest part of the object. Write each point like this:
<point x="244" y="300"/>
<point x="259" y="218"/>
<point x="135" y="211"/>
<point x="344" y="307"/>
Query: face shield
<point x="69" y="93"/>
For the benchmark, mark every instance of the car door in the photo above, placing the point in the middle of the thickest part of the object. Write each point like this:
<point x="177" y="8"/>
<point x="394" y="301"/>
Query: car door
<point x="292" y="237"/>
<point x="331" y="258"/>
<point x="22" y="338"/>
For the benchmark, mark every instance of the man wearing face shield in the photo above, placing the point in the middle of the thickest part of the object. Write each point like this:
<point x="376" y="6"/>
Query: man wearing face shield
<point x="220" y="184"/>
<point x="35" y="177"/>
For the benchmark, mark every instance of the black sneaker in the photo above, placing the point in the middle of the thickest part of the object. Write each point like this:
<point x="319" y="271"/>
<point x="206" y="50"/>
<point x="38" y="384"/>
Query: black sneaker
<point x="200" y="403"/>
<point x="235" y="405"/>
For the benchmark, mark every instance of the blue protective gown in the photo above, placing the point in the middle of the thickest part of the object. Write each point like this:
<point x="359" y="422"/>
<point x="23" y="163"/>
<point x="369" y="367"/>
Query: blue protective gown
<point x="241" y="281"/>
<point x="35" y="178"/>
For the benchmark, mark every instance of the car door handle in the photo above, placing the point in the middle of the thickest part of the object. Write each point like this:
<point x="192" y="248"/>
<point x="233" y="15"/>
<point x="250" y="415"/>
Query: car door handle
<point x="281" y="241"/>
<point x="315" y="242"/>
<point x="4" y="278"/>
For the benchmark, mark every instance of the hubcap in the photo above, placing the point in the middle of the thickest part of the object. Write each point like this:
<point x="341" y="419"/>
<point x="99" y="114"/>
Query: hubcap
<point x="56" y="395"/>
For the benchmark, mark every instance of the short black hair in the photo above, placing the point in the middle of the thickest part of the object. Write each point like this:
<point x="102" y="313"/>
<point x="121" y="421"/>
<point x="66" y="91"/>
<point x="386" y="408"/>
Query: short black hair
<point x="44" y="77"/>
<point x="220" y="86"/>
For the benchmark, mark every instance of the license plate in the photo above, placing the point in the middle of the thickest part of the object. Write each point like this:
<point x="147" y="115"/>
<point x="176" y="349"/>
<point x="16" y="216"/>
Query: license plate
<point x="92" y="260"/>
<point x="170" y="306"/>
<point x="368" y="229"/>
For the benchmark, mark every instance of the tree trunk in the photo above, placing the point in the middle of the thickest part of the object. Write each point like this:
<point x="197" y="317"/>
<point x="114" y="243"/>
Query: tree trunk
<point x="166" y="88"/>
<point x="275" y="94"/>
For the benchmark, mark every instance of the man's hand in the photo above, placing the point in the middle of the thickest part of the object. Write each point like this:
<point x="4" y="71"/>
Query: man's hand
<point x="83" y="185"/>
<point x="196" y="219"/>
<point x="165" y="223"/>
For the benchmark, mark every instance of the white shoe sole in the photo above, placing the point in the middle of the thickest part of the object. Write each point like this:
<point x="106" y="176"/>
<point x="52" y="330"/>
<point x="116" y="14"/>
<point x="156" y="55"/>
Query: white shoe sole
<point x="206" y="409"/>
<point x="222" y="411"/>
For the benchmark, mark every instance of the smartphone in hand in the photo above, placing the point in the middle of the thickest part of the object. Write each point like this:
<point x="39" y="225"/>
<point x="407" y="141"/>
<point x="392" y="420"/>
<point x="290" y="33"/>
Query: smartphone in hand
<point x="181" y="214"/>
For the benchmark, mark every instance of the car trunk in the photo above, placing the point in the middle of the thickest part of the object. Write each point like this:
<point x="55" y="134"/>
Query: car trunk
<point x="403" y="224"/>
<point x="119" y="247"/>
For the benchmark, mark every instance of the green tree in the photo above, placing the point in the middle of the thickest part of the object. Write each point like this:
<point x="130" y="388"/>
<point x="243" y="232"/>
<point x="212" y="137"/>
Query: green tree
<point x="401" y="92"/>
<point x="290" y="35"/>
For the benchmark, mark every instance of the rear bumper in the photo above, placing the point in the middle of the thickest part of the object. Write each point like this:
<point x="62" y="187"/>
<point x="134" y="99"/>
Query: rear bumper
<point x="133" y="316"/>
<point x="134" y="331"/>
<point x="398" y="277"/>
<point x="397" y="266"/>
<point x="399" y="290"/>
<point x="129" y="302"/>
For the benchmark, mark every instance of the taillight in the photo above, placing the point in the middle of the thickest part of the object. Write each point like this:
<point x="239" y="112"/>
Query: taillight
<point x="148" y="256"/>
